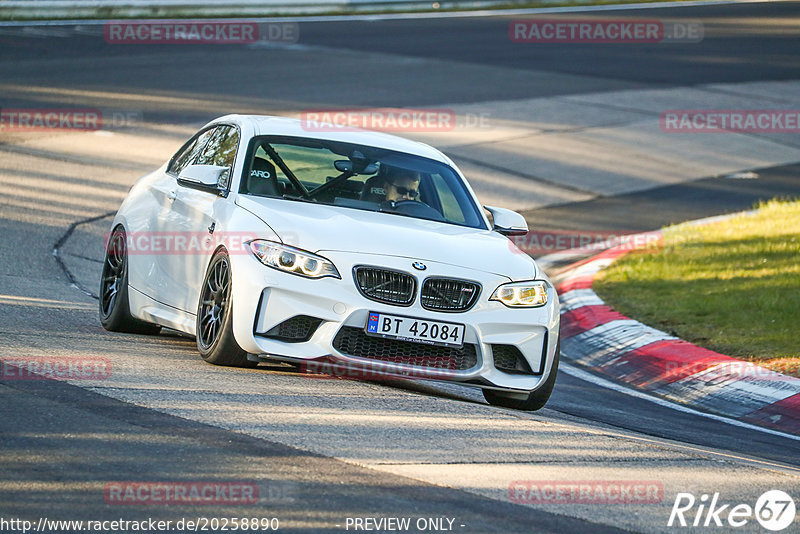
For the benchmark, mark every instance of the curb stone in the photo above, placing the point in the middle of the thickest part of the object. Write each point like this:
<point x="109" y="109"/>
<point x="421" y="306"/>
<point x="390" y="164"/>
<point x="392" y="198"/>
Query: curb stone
<point x="616" y="346"/>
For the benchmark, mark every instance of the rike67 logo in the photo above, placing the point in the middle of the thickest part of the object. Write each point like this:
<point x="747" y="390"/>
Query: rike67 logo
<point x="774" y="510"/>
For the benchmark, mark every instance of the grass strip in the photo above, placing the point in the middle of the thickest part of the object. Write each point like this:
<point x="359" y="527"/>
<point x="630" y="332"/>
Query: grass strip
<point x="731" y="286"/>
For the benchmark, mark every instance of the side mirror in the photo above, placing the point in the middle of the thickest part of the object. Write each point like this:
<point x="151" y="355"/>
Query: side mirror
<point x="203" y="176"/>
<point x="507" y="222"/>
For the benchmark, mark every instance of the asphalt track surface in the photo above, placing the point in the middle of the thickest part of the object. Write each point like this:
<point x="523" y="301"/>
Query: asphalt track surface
<point x="325" y="450"/>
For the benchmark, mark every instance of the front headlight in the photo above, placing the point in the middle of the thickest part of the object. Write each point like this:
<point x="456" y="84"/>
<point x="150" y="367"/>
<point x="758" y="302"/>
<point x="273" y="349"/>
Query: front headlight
<point x="522" y="294"/>
<point x="292" y="260"/>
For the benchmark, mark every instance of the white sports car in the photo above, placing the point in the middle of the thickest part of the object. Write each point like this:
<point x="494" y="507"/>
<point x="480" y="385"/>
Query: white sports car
<point x="349" y="248"/>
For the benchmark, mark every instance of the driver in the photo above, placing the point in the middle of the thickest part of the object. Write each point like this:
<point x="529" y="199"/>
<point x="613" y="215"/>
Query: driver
<point x="401" y="184"/>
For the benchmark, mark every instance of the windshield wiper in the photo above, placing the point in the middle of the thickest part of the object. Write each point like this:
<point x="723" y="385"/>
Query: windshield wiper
<point x="300" y="199"/>
<point x="393" y="212"/>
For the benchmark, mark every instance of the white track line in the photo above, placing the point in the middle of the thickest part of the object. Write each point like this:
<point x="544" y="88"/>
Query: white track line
<point x="602" y="382"/>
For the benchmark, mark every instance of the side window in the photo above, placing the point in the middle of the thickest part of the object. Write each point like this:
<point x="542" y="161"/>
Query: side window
<point x="221" y="150"/>
<point x="451" y="208"/>
<point x="189" y="151"/>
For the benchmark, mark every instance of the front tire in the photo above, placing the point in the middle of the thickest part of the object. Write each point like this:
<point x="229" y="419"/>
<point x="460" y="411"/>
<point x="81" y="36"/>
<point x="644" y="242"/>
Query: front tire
<point x="535" y="400"/>
<point x="115" y="314"/>
<point x="215" y="339"/>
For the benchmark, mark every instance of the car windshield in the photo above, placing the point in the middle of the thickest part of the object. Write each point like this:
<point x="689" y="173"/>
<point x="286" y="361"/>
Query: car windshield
<point x="358" y="177"/>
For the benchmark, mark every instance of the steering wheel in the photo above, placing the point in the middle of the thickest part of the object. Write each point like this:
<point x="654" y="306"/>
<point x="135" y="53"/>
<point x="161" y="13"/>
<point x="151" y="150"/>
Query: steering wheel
<point x="416" y="208"/>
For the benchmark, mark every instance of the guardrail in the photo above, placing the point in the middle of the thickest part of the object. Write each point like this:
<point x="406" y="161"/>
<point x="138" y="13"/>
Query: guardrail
<point x="91" y="9"/>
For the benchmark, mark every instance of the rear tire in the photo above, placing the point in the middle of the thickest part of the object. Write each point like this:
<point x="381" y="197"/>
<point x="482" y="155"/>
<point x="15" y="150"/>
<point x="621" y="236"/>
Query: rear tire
<point x="215" y="339"/>
<point x="114" y="311"/>
<point x="535" y="400"/>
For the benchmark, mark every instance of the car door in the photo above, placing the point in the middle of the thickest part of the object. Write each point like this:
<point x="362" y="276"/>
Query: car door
<point x="195" y="216"/>
<point x="151" y="223"/>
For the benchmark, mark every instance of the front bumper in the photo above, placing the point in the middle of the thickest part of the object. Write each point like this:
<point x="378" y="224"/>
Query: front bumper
<point x="264" y="298"/>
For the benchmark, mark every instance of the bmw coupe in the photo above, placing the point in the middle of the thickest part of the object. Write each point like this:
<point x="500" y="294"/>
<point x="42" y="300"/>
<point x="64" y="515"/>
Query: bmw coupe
<point x="359" y="249"/>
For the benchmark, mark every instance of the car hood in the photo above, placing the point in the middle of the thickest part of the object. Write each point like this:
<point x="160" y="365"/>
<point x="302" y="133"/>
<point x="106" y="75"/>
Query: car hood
<point x="319" y="228"/>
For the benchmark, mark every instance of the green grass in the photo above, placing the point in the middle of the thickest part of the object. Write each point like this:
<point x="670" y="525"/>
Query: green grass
<point x="732" y="286"/>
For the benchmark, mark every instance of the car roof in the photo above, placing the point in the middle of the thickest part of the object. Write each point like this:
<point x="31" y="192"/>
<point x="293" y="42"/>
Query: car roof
<point x="272" y="125"/>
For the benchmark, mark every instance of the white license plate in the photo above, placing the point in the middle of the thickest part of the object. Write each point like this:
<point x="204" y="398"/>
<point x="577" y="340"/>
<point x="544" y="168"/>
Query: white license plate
<point x="416" y="330"/>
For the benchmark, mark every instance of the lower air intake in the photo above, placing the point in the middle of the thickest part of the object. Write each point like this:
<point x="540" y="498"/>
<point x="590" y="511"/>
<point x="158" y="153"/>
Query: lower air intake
<point x="354" y="342"/>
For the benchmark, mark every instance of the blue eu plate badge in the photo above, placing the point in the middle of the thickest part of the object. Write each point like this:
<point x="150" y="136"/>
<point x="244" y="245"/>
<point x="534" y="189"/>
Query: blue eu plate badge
<point x="372" y="324"/>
